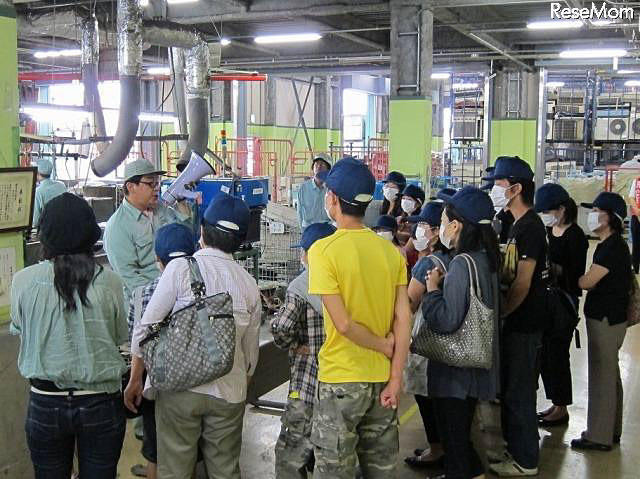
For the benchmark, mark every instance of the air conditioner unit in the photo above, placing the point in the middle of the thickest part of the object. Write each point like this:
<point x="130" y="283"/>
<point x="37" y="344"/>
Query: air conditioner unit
<point x="568" y="129"/>
<point x="611" y="129"/>
<point x="634" y="124"/>
<point x="467" y="129"/>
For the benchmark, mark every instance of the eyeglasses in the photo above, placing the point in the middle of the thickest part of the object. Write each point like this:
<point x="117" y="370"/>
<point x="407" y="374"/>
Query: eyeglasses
<point x="154" y="185"/>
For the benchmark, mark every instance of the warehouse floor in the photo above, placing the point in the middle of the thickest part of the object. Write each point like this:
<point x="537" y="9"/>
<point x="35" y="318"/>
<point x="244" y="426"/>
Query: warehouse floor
<point x="558" y="461"/>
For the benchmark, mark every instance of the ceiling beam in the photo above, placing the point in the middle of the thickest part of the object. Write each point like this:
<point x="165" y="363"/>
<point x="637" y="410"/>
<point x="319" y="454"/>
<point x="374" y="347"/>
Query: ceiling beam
<point x="350" y="36"/>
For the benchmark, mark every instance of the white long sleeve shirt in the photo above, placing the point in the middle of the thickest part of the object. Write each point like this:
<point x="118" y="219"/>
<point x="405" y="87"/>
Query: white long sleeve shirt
<point x="220" y="274"/>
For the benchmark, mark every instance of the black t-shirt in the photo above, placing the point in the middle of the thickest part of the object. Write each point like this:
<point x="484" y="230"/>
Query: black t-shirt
<point x="570" y="252"/>
<point x="610" y="297"/>
<point x="505" y="217"/>
<point x="527" y="240"/>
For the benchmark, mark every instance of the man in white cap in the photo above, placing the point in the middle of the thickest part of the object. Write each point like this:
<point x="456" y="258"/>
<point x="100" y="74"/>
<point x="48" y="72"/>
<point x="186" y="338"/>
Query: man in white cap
<point x="47" y="189"/>
<point x="129" y="234"/>
<point x="311" y="193"/>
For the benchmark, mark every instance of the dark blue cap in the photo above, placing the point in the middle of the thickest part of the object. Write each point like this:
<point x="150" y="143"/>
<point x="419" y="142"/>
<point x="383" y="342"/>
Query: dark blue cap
<point x="472" y="204"/>
<point x="549" y="197"/>
<point x="488" y="183"/>
<point x="386" y="222"/>
<point x="609" y="201"/>
<point x="397" y="178"/>
<point x="228" y="214"/>
<point x="431" y="213"/>
<point x="414" y="192"/>
<point x="313" y="233"/>
<point x="174" y="241"/>
<point x="510" y="167"/>
<point x="445" y="191"/>
<point x="352" y="181"/>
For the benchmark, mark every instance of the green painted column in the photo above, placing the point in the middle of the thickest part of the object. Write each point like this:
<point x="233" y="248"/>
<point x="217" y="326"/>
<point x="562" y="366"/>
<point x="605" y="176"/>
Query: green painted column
<point x="514" y="137"/>
<point x="410" y="135"/>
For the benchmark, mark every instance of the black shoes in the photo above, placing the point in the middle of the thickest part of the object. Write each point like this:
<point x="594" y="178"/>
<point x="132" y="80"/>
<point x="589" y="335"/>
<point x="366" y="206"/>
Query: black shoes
<point x="585" y="444"/>
<point x="543" y="422"/>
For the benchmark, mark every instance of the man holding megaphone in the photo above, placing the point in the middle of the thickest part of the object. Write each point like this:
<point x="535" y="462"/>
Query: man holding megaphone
<point x="130" y="232"/>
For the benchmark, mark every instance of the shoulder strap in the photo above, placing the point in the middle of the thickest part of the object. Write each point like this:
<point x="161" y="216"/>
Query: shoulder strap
<point x="438" y="262"/>
<point x="197" y="283"/>
<point x="474" y="281"/>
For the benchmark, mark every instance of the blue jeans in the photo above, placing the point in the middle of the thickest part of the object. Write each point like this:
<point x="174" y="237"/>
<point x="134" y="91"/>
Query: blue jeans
<point x="57" y="424"/>
<point x="519" y="385"/>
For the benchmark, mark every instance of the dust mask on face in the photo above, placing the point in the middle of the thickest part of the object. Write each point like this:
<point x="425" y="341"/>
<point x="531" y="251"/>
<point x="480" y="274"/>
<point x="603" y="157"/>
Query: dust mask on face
<point x="421" y="244"/>
<point x="548" y="219"/>
<point x="388" y="235"/>
<point x="408" y="205"/>
<point x="593" y="221"/>
<point x="326" y="210"/>
<point x="390" y="193"/>
<point x="498" y="196"/>
<point x="446" y="242"/>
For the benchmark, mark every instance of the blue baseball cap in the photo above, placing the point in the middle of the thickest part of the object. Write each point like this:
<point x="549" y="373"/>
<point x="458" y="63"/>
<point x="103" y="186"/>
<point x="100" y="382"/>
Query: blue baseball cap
<point x="174" y="241"/>
<point x="352" y="181"/>
<point x="313" y="233"/>
<point x="510" y="167"/>
<point x="397" y="178"/>
<point x="472" y="204"/>
<point x="488" y="183"/>
<point x="45" y="167"/>
<point x="414" y="192"/>
<point x="431" y="214"/>
<point x="549" y="196"/>
<point x="228" y="214"/>
<point x="610" y="202"/>
<point x="386" y="222"/>
<point x="445" y="191"/>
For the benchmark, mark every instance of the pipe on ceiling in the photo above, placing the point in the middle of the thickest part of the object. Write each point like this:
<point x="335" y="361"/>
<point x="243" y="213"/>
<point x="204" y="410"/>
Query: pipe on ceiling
<point x="47" y="76"/>
<point x="176" y="59"/>
<point x="90" y="56"/>
<point x="197" y="87"/>
<point x="129" y="32"/>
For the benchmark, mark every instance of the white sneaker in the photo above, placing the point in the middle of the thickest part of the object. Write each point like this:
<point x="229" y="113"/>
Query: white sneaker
<point x="510" y="468"/>
<point x="495" y="456"/>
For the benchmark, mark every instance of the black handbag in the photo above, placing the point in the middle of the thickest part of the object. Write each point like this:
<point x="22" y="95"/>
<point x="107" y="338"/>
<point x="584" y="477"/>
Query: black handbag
<point x="563" y="313"/>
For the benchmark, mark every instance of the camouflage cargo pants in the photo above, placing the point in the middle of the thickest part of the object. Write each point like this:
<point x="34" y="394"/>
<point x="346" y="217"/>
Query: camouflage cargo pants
<point x="294" y="450"/>
<point x="350" y="427"/>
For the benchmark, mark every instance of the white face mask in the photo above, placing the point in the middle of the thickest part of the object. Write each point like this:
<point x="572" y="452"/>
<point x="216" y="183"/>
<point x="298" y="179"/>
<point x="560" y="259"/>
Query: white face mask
<point x="326" y="210"/>
<point x="408" y="206"/>
<point x="421" y="232"/>
<point x="446" y="242"/>
<point x="390" y="193"/>
<point x="548" y="219"/>
<point x="499" y="197"/>
<point x="421" y="244"/>
<point x="593" y="221"/>
<point x="388" y="235"/>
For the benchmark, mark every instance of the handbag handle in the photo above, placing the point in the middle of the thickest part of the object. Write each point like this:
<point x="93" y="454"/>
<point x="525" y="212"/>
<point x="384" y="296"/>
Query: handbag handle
<point x="197" y="283"/>
<point x="473" y="274"/>
<point x="438" y="262"/>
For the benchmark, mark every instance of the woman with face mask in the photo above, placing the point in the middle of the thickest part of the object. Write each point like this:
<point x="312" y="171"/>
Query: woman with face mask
<point x="387" y="227"/>
<point x="393" y="185"/>
<point x="466" y="229"/>
<point x="608" y="284"/>
<point x="412" y="200"/>
<point x="431" y="254"/>
<point x="568" y="260"/>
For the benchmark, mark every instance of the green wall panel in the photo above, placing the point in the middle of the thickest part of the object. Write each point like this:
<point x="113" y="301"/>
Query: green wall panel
<point x="410" y="136"/>
<point x="437" y="143"/>
<point x="9" y="129"/>
<point x="514" y="137"/>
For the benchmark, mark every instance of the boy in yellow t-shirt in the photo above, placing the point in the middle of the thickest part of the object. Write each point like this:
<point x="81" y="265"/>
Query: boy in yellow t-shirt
<point x="362" y="279"/>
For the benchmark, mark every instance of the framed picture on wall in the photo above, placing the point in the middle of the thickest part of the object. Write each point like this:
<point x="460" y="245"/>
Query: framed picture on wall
<point x="17" y="191"/>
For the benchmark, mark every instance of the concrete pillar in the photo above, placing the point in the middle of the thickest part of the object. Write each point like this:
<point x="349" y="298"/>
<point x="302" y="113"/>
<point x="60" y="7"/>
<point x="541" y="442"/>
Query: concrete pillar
<point x="383" y="116"/>
<point x="14" y="455"/>
<point x="270" y="102"/>
<point x="515" y="111"/>
<point x="322" y="115"/>
<point x="410" y="105"/>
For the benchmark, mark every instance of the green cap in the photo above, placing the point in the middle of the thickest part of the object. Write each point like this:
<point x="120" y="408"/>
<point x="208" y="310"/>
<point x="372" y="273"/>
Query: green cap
<point x="141" y="168"/>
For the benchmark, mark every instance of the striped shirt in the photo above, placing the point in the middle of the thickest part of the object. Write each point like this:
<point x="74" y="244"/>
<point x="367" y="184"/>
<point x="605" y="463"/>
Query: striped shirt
<point x="221" y="274"/>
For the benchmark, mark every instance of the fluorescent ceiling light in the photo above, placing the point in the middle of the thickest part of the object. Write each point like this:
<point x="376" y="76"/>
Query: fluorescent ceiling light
<point x="632" y="83"/>
<point x="464" y="86"/>
<point x="158" y="71"/>
<point x="554" y="24"/>
<point x="440" y="76"/>
<point x="157" y="117"/>
<point x="555" y="84"/>
<point x="627" y="72"/>
<point x="601" y="23"/>
<point x="594" y="53"/>
<point x="225" y="41"/>
<point x="51" y="114"/>
<point x="293" y="38"/>
<point x="57" y="53"/>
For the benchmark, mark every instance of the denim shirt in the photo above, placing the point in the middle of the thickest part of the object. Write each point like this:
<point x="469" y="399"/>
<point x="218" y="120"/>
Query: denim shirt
<point x="74" y="349"/>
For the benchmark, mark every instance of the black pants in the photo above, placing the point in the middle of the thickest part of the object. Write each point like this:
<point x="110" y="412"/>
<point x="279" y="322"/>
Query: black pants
<point x="635" y="243"/>
<point x="519" y="384"/>
<point x="425" y="405"/>
<point x="56" y="425"/>
<point x="454" y="417"/>
<point x="555" y="369"/>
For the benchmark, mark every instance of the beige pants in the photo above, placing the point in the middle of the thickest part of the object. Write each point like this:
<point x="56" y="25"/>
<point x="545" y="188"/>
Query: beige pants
<point x="185" y="420"/>
<point x="604" y="416"/>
